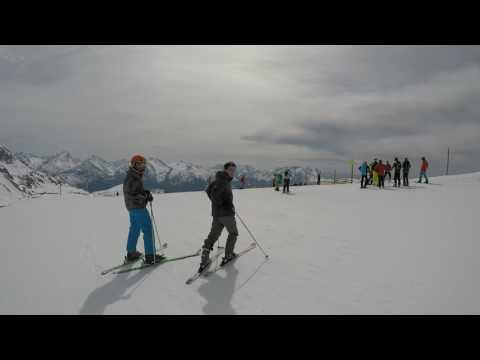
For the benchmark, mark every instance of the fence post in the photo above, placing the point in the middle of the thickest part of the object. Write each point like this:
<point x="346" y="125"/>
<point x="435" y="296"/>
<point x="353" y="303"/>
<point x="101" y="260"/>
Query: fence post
<point x="448" y="160"/>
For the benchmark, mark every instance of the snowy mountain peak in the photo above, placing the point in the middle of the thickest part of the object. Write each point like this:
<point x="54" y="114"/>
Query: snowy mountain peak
<point x="59" y="163"/>
<point x="31" y="160"/>
<point x="5" y="154"/>
<point x="19" y="178"/>
<point x="96" y="165"/>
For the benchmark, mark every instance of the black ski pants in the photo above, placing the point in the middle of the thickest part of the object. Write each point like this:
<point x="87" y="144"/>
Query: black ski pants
<point x="396" y="178"/>
<point x="381" y="181"/>
<point x="364" y="181"/>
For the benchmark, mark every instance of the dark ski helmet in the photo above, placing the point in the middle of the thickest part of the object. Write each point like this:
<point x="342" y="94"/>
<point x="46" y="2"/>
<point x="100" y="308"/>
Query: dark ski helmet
<point x="229" y="164"/>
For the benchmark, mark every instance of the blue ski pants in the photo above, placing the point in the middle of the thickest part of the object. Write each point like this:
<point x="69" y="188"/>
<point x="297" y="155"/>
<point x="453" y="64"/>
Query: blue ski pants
<point x="140" y="221"/>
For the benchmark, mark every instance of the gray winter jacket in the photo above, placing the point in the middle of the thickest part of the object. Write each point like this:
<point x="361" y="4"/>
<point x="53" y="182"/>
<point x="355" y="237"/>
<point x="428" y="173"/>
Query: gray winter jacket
<point x="133" y="192"/>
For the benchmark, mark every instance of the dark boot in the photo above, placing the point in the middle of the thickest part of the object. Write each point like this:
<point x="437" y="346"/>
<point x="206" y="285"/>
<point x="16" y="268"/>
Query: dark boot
<point x="132" y="256"/>
<point x="151" y="259"/>
<point x="228" y="258"/>
<point x="205" y="261"/>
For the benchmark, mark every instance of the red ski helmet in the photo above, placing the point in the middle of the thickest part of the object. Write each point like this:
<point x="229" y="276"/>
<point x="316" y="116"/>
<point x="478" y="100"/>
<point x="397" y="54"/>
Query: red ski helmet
<point x="137" y="159"/>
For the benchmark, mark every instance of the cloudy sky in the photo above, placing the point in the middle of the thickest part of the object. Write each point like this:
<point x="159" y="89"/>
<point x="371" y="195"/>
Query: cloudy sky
<point x="262" y="105"/>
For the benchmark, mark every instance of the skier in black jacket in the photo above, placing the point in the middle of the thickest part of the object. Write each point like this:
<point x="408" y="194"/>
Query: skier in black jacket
<point x="397" y="167"/>
<point x="406" y="169"/>
<point x="223" y="213"/>
<point x="286" y="182"/>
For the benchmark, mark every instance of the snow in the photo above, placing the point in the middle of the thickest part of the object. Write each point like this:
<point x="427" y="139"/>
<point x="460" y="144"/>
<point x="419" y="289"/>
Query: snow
<point x="59" y="163"/>
<point x="157" y="169"/>
<point x="119" y="188"/>
<point x="18" y="180"/>
<point x="334" y="249"/>
<point x="8" y="192"/>
<point x="32" y="161"/>
<point x="184" y="171"/>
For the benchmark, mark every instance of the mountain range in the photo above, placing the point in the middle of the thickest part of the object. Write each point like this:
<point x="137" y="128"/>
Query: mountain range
<point x="97" y="174"/>
<point x="21" y="177"/>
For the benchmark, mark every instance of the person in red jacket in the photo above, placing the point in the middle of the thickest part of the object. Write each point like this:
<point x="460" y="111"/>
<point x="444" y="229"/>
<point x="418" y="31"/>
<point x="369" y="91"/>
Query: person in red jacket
<point x="380" y="169"/>
<point x="388" y="171"/>
<point x="423" y="171"/>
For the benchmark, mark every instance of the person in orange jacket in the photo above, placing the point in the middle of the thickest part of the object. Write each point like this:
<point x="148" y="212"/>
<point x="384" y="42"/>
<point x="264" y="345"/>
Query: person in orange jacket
<point x="380" y="169"/>
<point x="423" y="171"/>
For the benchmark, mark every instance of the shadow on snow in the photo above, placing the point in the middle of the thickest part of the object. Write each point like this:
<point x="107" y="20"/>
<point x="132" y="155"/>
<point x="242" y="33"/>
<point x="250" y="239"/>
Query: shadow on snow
<point x="115" y="290"/>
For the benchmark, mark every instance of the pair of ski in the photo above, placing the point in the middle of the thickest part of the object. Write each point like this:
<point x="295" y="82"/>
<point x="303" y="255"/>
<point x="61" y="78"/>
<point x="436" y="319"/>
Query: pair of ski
<point x="130" y="266"/>
<point x="207" y="272"/>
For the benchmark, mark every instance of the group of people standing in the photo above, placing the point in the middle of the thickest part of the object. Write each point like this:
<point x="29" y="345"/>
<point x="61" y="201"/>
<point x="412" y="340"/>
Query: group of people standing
<point x="377" y="171"/>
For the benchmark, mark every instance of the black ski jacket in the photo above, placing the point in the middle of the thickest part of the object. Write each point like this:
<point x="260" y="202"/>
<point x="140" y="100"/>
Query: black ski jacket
<point x="397" y="166"/>
<point x="221" y="195"/>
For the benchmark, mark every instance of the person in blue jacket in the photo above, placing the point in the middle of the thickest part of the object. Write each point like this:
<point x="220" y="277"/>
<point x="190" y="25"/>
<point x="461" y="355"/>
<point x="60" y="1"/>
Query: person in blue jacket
<point x="364" y="169"/>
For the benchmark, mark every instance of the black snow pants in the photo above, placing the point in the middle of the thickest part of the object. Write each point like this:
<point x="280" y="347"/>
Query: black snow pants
<point x="396" y="178"/>
<point x="381" y="181"/>
<point x="364" y="181"/>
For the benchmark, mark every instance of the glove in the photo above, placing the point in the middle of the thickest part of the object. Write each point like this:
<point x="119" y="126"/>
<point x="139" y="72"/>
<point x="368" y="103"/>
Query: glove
<point x="149" y="196"/>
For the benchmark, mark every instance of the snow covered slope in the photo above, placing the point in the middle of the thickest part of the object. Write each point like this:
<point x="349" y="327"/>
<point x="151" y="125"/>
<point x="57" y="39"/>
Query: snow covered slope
<point x="31" y="160"/>
<point x="334" y="249"/>
<point x="18" y="180"/>
<point x="59" y="163"/>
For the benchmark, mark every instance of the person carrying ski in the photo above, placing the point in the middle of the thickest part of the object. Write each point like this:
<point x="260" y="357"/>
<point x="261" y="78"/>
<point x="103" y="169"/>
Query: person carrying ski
<point x="397" y="167"/>
<point x="286" y="181"/>
<point x="223" y="213"/>
<point x="423" y="171"/>
<point x="388" y="171"/>
<point x="380" y="170"/>
<point x="136" y="199"/>
<point x="364" y="169"/>
<point x="406" y="169"/>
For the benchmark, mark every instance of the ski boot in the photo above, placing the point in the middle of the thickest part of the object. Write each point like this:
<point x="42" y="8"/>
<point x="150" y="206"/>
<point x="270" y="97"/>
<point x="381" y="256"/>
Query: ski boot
<point x="153" y="259"/>
<point x="132" y="256"/>
<point x="228" y="258"/>
<point x="205" y="262"/>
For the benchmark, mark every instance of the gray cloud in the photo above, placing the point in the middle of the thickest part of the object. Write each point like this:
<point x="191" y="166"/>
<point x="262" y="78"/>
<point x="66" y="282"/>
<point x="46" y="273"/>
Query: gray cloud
<point x="263" y="105"/>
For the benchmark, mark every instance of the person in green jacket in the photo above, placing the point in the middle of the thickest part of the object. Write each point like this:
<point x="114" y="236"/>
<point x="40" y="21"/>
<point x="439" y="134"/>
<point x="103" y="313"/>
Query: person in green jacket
<point x="279" y="181"/>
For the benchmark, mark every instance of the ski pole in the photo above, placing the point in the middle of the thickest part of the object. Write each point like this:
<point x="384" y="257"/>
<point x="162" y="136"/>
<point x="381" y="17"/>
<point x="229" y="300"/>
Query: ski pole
<point x="156" y="229"/>
<point x="153" y="237"/>
<point x="253" y="237"/>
